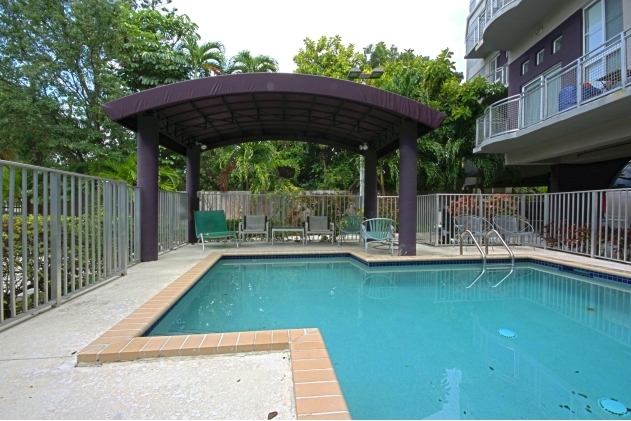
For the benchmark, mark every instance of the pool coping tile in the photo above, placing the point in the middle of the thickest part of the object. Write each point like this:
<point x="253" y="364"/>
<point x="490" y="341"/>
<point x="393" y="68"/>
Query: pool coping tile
<point x="315" y="381"/>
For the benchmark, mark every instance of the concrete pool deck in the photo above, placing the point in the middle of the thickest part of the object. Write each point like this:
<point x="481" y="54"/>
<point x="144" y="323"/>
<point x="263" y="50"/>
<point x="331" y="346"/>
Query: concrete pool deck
<point x="42" y="380"/>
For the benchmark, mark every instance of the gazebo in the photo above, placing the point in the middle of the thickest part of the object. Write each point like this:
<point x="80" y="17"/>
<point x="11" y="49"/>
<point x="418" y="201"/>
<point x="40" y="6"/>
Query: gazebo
<point x="198" y="115"/>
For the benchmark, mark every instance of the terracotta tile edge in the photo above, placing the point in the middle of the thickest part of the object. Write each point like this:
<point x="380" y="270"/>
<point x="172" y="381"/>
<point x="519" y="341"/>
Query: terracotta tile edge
<point x="319" y="406"/>
<point x="150" y="311"/>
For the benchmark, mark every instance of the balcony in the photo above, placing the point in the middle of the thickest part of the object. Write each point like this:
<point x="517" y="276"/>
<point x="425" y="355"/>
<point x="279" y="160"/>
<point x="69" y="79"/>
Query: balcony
<point x="503" y="23"/>
<point x="500" y="75"/>
<point x="594" y="86"/>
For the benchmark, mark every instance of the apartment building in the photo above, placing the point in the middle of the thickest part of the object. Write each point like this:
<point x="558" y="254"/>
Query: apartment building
<point x="566" y="115"/>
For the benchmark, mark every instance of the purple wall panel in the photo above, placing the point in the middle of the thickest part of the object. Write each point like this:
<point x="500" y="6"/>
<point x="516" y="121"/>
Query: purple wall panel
<point x="571" y="30"/>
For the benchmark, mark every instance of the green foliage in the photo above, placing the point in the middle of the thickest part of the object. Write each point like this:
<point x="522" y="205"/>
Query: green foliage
<point x="244" y="62"/>
<point x="154" y="51"/>
<point x="443" y="153"/>
<point x="83" y="265"/>
<point x="377" y="55"/>
<point x="327" y="57"/>
<point x="56" y="67"/>
<point x="205" y="59"/>
<point x="168" y="178"/>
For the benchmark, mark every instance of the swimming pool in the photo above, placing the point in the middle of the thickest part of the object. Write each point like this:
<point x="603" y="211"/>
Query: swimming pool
<point x="415" y="342"/>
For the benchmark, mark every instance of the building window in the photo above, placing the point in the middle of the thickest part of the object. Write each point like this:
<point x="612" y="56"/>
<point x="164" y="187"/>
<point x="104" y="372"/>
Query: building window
<point x="602" y="21"/>
<point x="524" y="67"/>
<point x="556" y="44"/>
<point x="540" y="56"/>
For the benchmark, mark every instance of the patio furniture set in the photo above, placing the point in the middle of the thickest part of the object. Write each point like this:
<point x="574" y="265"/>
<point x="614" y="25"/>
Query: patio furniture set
<point x="212" y="225"/>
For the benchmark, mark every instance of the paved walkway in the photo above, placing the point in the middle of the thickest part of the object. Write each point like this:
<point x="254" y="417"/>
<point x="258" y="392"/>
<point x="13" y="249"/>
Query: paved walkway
<point x="40" y="379"/>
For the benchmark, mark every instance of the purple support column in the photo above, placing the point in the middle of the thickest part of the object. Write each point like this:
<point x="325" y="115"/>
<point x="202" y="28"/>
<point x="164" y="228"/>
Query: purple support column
<point x="370" y="183"/>
<point x="148" y="134"/>
<point x="192" y="187"/>
<point x="408" y="134"/>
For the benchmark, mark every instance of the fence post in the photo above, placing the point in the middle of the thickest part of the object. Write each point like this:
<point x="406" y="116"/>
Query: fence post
<point x="136" y="224"/>
<point x="171" y="213"/>
<point x="546" y="219"/>
<point x="107" y="228"/>
<point x="594" y="223"/>
<point x="623" y="58"/>
<point x="522" y="213"/>
<point x="579" y="85"/>
<point x="123" y="228"/>
<point x="437" y="212"/>
<point x="55" y="239"/>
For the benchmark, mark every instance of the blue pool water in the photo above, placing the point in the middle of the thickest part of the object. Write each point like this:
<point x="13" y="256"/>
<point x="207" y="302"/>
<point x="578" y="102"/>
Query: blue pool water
<point x="439" y="353"/>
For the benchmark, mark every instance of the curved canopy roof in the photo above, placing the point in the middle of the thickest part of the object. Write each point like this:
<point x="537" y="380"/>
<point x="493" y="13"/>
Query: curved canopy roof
<point x="230" y="109"/>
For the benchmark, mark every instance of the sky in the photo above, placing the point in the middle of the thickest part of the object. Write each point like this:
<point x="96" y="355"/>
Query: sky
<point x="277" y="28"/>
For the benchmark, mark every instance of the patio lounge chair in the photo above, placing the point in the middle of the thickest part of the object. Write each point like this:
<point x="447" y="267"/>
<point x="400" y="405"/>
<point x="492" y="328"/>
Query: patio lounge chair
<point x="513" y="227"/>
<point x="377" y="229"/>
<point x="350" y="224"/>
<point x="319" y="225"/>
<point x="254" y="224"/>
<point x="210" y="225"/>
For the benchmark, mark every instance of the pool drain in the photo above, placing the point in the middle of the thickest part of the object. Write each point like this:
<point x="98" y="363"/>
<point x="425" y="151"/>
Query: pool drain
<point x="613" y="406"/>
<point x="507" y="333"/>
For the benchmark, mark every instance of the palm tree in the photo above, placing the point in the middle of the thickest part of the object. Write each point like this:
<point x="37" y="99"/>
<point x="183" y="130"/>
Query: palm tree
<point x="251" y="162"/>
<point x="206" y="59"/>
<point x="168" y="178"/>
<point x="244" y="62"/>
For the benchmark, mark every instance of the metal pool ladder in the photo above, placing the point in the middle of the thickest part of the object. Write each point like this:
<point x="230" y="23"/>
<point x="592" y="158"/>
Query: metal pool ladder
<point x="510" y="252"/>
<point x="468" y="232"/>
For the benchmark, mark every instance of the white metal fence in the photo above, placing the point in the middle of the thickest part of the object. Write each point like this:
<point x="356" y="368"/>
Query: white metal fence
<point x="596" y="74"/>
<point x="173" y="220"/>
<point x="70" y="232"/>
<point x="281" y="210"/>
<point x="591" y="223"/>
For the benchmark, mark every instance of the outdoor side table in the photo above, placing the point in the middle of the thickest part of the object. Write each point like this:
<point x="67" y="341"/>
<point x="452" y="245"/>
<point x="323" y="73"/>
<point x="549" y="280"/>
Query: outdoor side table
<point x="299" y="230"/>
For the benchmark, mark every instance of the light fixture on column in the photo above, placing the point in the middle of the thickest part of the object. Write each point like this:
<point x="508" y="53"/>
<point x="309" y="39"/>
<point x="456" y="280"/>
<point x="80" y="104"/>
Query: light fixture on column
<point x="203" y="147"/>
<point x="363" y="147"/>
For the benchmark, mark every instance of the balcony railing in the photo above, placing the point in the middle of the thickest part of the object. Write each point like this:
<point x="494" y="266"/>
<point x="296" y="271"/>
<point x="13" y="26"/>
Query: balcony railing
<point x="596" y="74"/>
<point x="476" y="29"/>
<point x="499" y="75"/>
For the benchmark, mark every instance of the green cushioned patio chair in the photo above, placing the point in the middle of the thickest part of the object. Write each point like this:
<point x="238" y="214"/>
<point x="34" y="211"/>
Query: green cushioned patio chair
<point x="350" y="224"/>
<point x="378" y="229"/>
<point x="211" y="225"/>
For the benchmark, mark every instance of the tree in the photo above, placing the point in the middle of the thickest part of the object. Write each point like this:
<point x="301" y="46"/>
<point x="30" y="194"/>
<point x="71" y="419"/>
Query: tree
<point x="251" y="163"/>
<point x="153" y="52"/>
<point x="205" y="59"/>
<point x="56" y="66"/>
<point x="244" y="62"/>
<point x="443" y="153"/>
<point x="377" y="55"/>
<point x="327" y="57"/>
